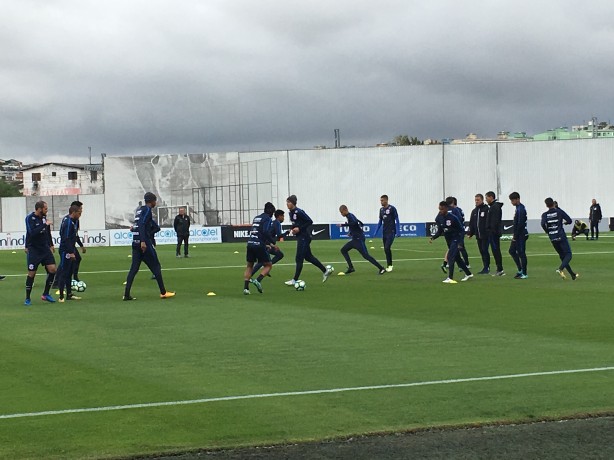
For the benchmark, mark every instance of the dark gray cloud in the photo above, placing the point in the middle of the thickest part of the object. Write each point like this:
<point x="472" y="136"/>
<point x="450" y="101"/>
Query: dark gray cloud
<point x="149" y="76"/>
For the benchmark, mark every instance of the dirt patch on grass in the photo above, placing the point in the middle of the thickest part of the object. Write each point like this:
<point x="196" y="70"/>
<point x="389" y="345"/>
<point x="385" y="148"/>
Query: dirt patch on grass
<point x="567" y="439"/>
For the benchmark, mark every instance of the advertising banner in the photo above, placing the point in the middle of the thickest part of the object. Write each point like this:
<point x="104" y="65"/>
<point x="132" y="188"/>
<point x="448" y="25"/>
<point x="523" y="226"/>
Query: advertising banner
<point x="198" y="235"/>
<point x="240" y="233"/>
<point x="411" y="230"/>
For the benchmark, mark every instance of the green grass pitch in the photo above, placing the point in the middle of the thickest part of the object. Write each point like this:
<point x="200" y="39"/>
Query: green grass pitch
<point x="361" y="330"/>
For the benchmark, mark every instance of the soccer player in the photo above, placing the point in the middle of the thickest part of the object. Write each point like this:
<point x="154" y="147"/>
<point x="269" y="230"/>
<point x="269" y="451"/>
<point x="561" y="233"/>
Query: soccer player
<point x="357" y="242"/>
<point x="493" y="228"/>
<point x="182" y="228"/>
<point x="458" y="212"/>
<point x="277" y="234"/>
<point x="552" y="222"/>
<point x="519" y="239"/>
<point x="68" y="248"/>
<point x="453" y="231"/>
<point x="389" y="218"/>
<point x="143" y="249"/>
<point x="39" y="249"/>
<point x="301" y="228"/>
<point x="594" y="217"/>
<point x="477" y="227"/>
<point x="579" y="227"/>
<point x="260" y="237"/>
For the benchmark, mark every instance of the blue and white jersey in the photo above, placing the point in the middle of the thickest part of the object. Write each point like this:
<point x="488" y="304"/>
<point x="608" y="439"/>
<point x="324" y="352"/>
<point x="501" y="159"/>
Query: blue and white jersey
<point x="449" y="226"/>
<point x="38" y="233"/>
<point x="389" y="218"/>
<point x="260" y="233"/>
<point x="142" y="230"/>
<point x="68" y="235"/>
<point x="552" y="223"/>
<point x="520" y="222"/>
<point x="356" y="231"/>
<point x="303" y="222"/>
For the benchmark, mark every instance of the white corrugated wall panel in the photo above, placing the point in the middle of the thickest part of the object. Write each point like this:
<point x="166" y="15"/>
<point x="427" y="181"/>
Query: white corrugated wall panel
<point x="93" y="216"/>
<point x="14" y="214"/>
<point x="357" y="177"/>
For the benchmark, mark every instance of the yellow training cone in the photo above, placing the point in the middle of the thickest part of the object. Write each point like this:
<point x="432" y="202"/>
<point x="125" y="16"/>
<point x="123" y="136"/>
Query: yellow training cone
<point x="236" y="252"/>
<point x="340" y="274"/>
<point x="211" y="293"/>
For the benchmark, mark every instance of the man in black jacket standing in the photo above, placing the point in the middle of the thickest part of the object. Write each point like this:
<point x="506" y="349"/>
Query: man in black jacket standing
<point x="182" y="228"/>
<point x="493" y="228"/>
<point x="594" y="217"/>
<point x="477" y="227"/>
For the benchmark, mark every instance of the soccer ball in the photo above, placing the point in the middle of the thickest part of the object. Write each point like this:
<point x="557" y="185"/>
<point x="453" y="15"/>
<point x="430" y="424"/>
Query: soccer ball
<point x="300" y="285"/>
<point x="330" y="268"/>
<point x="78" y="286"/>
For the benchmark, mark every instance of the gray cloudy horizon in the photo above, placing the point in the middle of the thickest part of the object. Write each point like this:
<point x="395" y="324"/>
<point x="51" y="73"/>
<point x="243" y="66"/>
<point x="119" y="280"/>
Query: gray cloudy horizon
<point x="138" y="77"/>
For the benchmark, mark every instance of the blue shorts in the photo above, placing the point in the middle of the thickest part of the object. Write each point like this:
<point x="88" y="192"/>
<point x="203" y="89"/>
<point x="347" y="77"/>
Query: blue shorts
<point x="257" y="254"/>
<point x="36" y="257"/>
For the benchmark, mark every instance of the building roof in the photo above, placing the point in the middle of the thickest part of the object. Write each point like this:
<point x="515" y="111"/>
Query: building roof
<point x="83" y="166"/>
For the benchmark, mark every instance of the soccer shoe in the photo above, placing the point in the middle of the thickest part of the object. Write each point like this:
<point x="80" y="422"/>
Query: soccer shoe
<point x="523" y="276"/>
<point x="484" y="271"/>
<point x="389" y="268"/>
<point x="449" y="281"/>
<point x="47" y="298"/>
<point x="518" y="275"/>
<point x="327" y="273"/>
<point x="561" y="274"/>
<point x="167" y="295"/>
<point x="290" y="282"/>
<point x="61" y="300"/>
<point x="246" y="292"/>
<point x="73" y="297"/>
<point x="468" y="265"/>
<point x="187" y="256"/>
<point x="2" y="277"/>
<point x="576" y="276"/>
<point x="349" y="270"/>
<point x="27" y="302"/>
<point x="178" y="256"/>
<point x="444" y="268"/>
<point x="499" y="273"/>
<point x="467" y="277"/>
<point x="257" y="284"/>
<point x="383" y="271"/>
<point x="126" y="298"/>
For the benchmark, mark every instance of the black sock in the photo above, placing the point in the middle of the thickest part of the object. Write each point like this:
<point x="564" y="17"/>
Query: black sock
<point x="48" y="283"/>
<point x="246" y="285"/>
<point x="29" y="284"/>
<point x="260" y="278"/>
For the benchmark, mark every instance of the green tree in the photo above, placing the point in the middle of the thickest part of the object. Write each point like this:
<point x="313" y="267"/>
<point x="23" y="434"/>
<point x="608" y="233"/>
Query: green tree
<point x="8" y="189"/>
<point x="402" y="139"/>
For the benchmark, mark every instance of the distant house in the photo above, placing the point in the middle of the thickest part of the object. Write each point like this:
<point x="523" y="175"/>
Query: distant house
<point x="62" y="179"/>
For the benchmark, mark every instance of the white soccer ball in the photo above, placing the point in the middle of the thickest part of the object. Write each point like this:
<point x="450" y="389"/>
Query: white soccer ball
<point x="300" y="285"/>
<point x="78" y="286"/>
<point x="330" y="268"/>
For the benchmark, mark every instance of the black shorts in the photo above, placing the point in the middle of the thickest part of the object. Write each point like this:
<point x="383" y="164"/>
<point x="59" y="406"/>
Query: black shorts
<point x="38" y="257"/>
<point x="257" y="254"/>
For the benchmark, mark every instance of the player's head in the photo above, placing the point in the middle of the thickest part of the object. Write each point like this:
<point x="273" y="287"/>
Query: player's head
<point x="443" y="207"/>
<point x="549" y="203"/>
<point x="577" y="222"/>
<point x="181" y="211"/>
<point x="384" y="200"/>
<point x="74" y="211"/>
<point x="343" y="209"/>
<point x="594" y="201"/>
<point x="291" y="202"/>
<point x="451" y="200"/>
<point x="490" y="197"/>
<point x="40" y="208"/>
<point x="514" y="198"/>
<point x="280" y="215"/>
<point x="269" y="208"/>
<point x="150" y="199"/>
<point x="479" y="199"/>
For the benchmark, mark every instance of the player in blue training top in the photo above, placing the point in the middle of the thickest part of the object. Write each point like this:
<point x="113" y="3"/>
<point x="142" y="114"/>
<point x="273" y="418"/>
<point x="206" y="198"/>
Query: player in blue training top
<point x="389" y="218"/>
<point x="260" y="237"/>
<point x="453" y="231"/>
<point x="277" y="233"/>
<point x="68" y="248"/>
<point x="552" y="223"/>
<point x="143" y="249"/>
<point x="301" y="228"/>
<point x="39" y="249"/>
<point x="519" y="239"/>
<point x="357" y="241"/>
<point x="458" y="212"/>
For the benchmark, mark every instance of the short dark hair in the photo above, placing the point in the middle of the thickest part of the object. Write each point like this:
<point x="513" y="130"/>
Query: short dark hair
<point x="444" y="204"/>
<point x="39" y="205"/>
<point x="549" y="202"/>
<point x="451" y="201"/>
<point x="279" y="212"/>
<point x="384" y="196"/>
<point x="73" y="208"/>
<point x="491" y="194"/>
<point x="514" y="196"/>
<point x="269" y="207"/>
<point x="292" y="199"/>
<point x="150" y="197"/>
<point x="480" y="195"/>
<point x="76" y="203"/>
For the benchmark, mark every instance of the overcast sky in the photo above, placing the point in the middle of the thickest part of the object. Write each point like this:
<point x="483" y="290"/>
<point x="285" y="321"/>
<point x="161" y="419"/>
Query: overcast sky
<point x="149" y="76"/>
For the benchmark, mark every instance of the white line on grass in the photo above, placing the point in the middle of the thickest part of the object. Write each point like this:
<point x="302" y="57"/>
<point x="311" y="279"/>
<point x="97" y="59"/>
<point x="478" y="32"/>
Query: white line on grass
<point x="301" y="393"/>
